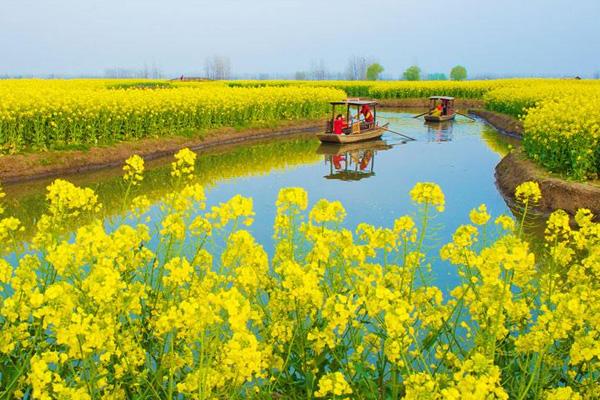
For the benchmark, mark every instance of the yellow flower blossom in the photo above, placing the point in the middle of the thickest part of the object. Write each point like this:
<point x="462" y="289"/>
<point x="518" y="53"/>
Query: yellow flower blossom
<point x="327" y="211"/>
<point x="134" y="170"/>
<point x="333" y="384"/>
<point x="479" y="216"/>
<point x="528" y="192"/>
<point x="507" y="223"/>
<point x="184" y="164"/>
<point x="428" y="193"/>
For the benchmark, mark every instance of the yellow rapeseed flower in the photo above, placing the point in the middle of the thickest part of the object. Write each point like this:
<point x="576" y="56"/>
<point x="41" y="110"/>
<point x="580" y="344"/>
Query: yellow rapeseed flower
<point x="528" y="192"/>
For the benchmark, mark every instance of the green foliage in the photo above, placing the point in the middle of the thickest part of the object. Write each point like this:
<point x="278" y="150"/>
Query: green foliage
<point x="300" y="76"/>
<point x="412" y="73"/>
<point x="142" y="85"/>
<point x="437" y="76"/>
<point x="458" y="73"/>
<point x="373" y="71"/>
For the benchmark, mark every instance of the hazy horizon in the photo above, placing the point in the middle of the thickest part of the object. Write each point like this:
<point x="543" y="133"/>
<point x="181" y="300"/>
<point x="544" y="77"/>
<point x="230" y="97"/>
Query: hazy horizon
<point x="72" y="38"/>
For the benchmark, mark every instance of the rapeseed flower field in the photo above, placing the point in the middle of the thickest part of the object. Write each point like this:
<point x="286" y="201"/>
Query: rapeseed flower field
<point x="560" y="116"/>
<point x="194" y="307"/>
<point x="42" y="114"/>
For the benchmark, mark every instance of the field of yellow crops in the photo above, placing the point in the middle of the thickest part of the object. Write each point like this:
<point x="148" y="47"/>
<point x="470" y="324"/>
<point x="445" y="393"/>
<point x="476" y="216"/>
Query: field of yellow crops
<point x="193" y="307"/>
<point x="561" y="124"/>
<point x="389" y="90"/>
<point x="560" y="116"/>
<point x="43" y="114"/>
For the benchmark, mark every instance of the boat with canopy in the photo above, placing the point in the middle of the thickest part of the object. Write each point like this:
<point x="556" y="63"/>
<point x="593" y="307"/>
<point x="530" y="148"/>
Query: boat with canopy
<point x="352" y="129"/>
<point x="446" y="111"/>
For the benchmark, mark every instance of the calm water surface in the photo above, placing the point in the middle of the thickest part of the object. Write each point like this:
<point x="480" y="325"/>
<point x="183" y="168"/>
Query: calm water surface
<point x="371" y="181"/>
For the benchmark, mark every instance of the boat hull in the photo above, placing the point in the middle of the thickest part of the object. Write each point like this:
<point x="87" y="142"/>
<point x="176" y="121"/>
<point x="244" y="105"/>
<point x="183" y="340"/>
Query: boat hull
<point x="335" y="149"/>
<point x="370" y="134"/>
<point x="439" y="118"/>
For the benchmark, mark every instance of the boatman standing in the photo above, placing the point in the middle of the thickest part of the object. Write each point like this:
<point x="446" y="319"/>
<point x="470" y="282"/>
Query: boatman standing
<point x="365" y="111"/>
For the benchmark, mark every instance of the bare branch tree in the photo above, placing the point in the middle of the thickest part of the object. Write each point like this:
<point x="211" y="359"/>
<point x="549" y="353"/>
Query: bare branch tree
<point x="218" y="68"/>
<point x="122" y="73"/>
<point x="357" y="68"/>
<point x="318" y="72"/>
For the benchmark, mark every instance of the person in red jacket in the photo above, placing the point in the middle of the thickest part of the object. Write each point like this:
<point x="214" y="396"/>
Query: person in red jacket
<point x="339" y="124"/>
<point x="366" y="112"/>
<point x="337" y="161"/>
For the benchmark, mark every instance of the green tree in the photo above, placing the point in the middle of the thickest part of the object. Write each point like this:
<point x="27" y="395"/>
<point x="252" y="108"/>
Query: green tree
<point x="373" y="71"/>
<point x="412" y="73"/>
<point x="300" y="76"/>
<point x="458" y="73"/>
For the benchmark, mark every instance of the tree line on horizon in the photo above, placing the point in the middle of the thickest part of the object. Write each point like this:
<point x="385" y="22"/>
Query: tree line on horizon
<point x="218" y="67"/>
<point x="363" y="68"/>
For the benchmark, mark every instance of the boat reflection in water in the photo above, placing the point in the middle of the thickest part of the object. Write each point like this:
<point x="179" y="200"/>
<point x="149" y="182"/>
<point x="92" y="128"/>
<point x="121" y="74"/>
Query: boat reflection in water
<point x="439" y="131"/>
<point x="351" y="162"/>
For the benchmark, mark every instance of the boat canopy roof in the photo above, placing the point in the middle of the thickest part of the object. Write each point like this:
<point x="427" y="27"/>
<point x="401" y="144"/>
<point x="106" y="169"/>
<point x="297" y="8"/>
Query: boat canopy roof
<point x="351" y="102"/>
<point x="441" y="98"/>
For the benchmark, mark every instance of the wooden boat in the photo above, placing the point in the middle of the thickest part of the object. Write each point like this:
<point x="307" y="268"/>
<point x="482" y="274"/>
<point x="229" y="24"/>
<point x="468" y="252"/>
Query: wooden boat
<point x="352" y="161"/>
<point x="447" y="104"/>
<point x="357" y="131"/>
<point x="334" y="149"/>
<point x="439" y="118"/>
<point x="367" y="134"/>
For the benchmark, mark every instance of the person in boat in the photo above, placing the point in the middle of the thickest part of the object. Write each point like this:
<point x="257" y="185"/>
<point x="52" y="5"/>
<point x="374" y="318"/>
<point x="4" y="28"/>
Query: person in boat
<point x="339" y="124"/>
<point x="365" y="111"/>
<point x="437" y="111"/>
<point x="366" y="158"/>
<point x="337" y="161"/>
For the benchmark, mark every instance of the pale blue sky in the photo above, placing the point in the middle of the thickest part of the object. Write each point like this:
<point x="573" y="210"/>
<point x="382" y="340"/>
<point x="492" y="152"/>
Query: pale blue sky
<point x="504" y="37"/>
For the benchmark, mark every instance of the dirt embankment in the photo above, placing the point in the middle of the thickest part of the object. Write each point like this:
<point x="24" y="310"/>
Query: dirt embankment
<point x="557" y="193"/>
<point x="504" y="123"/>
<point x="21" y="167"/>
<point x="516" y="168"/>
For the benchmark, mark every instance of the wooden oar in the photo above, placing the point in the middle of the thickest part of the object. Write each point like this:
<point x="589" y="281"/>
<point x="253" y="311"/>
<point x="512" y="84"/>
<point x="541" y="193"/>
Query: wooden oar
<point x="398" y="133"/>
<point x="464" y="115"/>
<point x="420" y="115"/>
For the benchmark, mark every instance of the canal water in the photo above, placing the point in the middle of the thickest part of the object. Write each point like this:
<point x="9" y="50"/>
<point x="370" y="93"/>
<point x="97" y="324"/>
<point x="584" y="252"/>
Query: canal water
<point x="372" y="180"/>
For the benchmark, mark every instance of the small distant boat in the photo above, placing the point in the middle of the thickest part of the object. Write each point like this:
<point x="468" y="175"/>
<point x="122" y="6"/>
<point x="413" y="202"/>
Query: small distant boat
<point x="447" y="113"/>
<point x="356" y="131"/>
